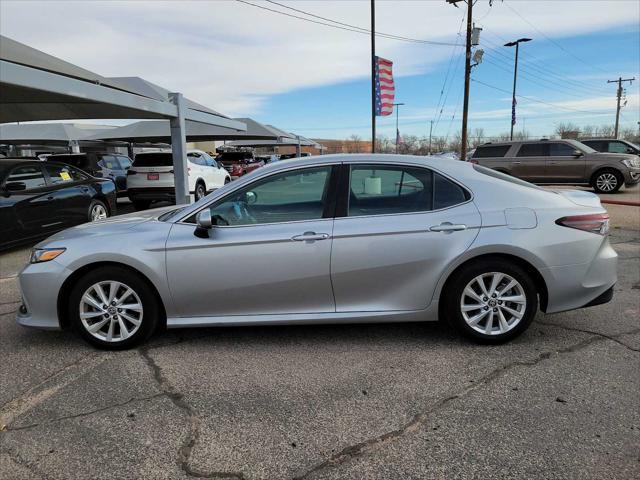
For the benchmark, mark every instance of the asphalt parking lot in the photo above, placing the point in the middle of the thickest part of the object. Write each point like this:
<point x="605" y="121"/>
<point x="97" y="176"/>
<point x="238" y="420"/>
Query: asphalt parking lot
<point x="401" y="401"/>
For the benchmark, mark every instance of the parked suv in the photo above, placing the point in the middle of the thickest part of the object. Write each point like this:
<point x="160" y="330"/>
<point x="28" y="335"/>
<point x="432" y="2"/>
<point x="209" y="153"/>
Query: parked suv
<point x="103" y="165"/>
<point x="239" y="163"/>
<point x="611" y="145"/>
<point x="151" y="177"/>
<point x="560" y="161"/>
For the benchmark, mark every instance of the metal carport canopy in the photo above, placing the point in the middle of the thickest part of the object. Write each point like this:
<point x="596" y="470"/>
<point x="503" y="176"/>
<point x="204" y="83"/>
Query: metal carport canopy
<point x="159" y="132"/>
<point x="38" y="86"/>
<point x="48" y="133"/>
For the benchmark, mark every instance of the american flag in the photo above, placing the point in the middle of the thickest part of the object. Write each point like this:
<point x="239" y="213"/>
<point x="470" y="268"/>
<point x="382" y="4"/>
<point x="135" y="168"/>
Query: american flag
<point x="385" y="89"/>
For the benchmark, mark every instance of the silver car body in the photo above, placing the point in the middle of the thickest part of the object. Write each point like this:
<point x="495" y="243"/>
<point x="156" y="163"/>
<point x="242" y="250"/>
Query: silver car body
<point x="364" y="269"/>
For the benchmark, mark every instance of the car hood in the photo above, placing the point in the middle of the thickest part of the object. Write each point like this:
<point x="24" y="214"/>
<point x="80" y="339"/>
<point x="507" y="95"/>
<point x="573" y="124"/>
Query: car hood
<point x="109" y="226"/>
<point x="611" y="156"/>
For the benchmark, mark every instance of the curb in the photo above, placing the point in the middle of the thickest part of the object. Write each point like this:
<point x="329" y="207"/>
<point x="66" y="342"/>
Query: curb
<point x="621" y="202"/>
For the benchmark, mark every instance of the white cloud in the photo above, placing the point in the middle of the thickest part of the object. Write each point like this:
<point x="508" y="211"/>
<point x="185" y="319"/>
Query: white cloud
<point x="232" y="57"/>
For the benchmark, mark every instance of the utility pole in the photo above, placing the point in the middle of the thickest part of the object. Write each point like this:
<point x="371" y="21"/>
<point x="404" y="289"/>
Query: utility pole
<point x="619" y="95"/>
<point x="373" y="76"/>
<point x="397" y="131"/>
<point x="467" y="80"/>
<point x="515" y="77"/>
<point x="430" y="131"/>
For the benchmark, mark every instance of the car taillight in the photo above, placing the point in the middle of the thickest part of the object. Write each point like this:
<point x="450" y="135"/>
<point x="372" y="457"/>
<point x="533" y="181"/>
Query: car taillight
<point x="474" y="161"/>
<point x="594" y="223"/>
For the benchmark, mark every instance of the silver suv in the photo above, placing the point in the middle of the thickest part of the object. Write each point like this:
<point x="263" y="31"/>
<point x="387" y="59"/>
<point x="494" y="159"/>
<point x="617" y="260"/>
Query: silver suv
<point x="560" y="161"/>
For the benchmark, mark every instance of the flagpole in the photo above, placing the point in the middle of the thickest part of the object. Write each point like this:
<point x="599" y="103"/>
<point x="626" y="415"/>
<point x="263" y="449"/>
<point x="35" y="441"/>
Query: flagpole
<point x="373" y="76"/>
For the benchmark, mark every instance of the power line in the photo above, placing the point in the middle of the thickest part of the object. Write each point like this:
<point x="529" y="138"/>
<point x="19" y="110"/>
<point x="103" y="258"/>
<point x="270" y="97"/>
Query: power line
<point x="589" y="64"/>
<point x="340" y="25"/>
<point x="538" y="101"/>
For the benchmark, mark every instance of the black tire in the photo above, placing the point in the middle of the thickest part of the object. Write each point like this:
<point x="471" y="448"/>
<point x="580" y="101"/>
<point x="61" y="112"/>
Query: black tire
<point x="602" y="180"/>
<point x="227" y="180"/>
<point x="453" y="298"/>
<point x="141" y="204"/>
<point x="150" y="313"/>
<point x="95" y="207"/>
<point x="201" y="191"/>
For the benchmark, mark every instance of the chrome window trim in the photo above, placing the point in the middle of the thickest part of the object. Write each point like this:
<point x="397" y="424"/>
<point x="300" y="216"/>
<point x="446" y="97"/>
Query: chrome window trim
<point x="372" y="162"/>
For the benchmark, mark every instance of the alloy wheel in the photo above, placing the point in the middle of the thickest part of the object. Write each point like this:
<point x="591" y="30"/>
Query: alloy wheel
<point x="493" y="303"/>
<point x="111" y="311"/>
<point x="98" y="212"/>
<point x="606" y="182"/>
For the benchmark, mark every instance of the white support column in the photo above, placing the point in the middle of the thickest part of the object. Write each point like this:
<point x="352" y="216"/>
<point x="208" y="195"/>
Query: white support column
<point x="298" y="147"/>
<point x="74" y="146"/>
<point x="179" y="150"/>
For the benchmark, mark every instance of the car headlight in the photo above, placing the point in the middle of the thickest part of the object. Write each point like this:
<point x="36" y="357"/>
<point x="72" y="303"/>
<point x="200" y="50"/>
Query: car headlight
<point x="39" y="255"/>
<point x="631" y="162"/>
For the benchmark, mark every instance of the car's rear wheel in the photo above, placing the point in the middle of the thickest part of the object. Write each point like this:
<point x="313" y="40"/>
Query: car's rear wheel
<point x="141" y="204"/>
<point x="98" y="211"/>
<point x="201" y="191"/>
<point x="227" y="180"/>
<point x="113" y="308"/>
<point x="490" y="301"/>
<point x="607" y="180"/>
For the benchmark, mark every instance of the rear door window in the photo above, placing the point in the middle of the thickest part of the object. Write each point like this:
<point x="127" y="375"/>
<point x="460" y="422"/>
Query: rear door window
<point x="110" y="162"/>
<point x="387" y="189"/>
<point x="487" y="151"/>
<point x="124" y="162"/>
<point x="533" y="150"/>
<point x="59" y="174"/>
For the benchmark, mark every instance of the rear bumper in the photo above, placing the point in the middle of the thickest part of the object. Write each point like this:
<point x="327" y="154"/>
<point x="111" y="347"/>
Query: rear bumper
<point x="152" y="193"/>
<point x="581" y="285"/>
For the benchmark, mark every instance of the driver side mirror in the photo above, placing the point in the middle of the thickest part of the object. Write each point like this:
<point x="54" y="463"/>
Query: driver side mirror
<point x="14" y="187"/>
<point x="250" y="198"/>
<point x="577" y="153"/>
<point x="203" y="219"/>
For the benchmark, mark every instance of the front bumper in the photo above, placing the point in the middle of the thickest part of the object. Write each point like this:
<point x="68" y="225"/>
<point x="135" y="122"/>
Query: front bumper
<point x="39" y="285"/>
<point x="632" y="176"/>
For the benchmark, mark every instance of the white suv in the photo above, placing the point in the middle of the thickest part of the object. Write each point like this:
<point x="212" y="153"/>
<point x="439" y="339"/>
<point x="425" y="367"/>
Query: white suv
<point x="150" y="178"/>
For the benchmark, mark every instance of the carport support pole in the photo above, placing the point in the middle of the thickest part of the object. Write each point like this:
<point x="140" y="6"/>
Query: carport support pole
<point x="179" y="150"/>
<point x="298" y="148"/>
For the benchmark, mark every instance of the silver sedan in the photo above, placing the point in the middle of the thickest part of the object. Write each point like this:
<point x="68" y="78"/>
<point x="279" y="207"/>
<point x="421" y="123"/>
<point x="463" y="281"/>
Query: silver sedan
<point x="331" y="239"/>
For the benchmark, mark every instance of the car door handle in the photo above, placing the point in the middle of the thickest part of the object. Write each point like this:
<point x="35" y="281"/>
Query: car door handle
<point x="448" y="227"/>
<point x="310" y="236"/>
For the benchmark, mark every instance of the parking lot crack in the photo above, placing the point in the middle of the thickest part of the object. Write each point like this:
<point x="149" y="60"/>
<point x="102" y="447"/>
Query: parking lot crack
<point x="85" y="414"/>
<point x="184" y="453"/>
<point x="613" y="338"/>
<point x="420" y="419"/>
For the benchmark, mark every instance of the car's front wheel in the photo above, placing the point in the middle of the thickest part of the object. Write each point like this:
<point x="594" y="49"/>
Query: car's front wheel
<point x="490" y="301"/>
<point x="113" y="308"/>
<point x="607" y="180"/>
<point x="201" y="192"/>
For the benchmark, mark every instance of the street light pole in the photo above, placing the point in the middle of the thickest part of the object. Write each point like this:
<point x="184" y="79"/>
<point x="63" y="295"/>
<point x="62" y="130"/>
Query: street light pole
<point x="515" y="77"/>
<point x="430" y="130"/>
<point x="396" y="105"/>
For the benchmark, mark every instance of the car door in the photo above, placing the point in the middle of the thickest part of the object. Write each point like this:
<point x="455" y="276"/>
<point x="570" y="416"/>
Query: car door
<point x="563" y="164"/>
<point x="26" y="204"/>
<point x="401" y="225"/>
<point x="71" y="192"/>
<point x="269" y="253"/>
<point x="530" y="162"/>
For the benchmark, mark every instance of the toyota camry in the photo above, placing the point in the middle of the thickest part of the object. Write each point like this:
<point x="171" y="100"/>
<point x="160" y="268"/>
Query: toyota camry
<point x="330" y="239"/>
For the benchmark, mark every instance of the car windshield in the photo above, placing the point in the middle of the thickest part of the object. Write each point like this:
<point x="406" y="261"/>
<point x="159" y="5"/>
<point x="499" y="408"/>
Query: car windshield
<point x="153" y="160"/>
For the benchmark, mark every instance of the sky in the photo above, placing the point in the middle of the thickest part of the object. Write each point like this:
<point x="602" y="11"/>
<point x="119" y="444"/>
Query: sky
<point x="246" y="61"/>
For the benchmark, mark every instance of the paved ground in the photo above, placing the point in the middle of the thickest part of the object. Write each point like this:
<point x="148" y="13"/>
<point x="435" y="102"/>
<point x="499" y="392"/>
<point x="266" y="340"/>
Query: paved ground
<point x="331" y="402"/>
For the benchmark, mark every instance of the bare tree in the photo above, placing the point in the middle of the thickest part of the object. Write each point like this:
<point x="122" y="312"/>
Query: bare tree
<point x="354" y="144"/>
<point x="567" y="130"/>
<point x="477" y="137"/>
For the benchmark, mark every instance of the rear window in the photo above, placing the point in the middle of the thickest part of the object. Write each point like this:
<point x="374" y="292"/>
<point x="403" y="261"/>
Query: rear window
<point x="491" y="151"/>
<point x="503" y="176"/>
<point x="153" y="160"/>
